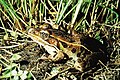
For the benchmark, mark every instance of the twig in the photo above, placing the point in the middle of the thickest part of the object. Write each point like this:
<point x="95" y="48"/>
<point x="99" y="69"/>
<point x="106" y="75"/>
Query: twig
<point x="57" y="73"/>
<point x="7" y="51"/>
<point x="104" y="65"/>
<point x="6" y="47"/>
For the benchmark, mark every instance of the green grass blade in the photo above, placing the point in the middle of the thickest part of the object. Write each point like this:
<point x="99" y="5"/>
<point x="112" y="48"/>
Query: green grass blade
<point x="63" y="11"/>
<point x="77" y="11"/>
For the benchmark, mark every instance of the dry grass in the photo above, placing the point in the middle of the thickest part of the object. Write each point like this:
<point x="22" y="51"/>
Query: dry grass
<point x="100" y="19"/>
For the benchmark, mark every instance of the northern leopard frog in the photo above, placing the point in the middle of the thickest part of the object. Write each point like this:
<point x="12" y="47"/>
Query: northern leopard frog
<point x="57" y="43"/>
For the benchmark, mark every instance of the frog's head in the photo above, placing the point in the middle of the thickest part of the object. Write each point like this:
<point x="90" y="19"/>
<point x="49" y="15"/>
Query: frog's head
<point x="44" y="34"/>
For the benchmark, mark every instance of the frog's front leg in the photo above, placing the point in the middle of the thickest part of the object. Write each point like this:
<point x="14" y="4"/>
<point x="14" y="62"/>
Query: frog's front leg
<point x="55" y="53"/>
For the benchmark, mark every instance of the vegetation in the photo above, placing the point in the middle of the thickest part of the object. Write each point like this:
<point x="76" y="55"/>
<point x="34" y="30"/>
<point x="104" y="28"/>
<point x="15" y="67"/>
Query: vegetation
<point x="98" y="18"/>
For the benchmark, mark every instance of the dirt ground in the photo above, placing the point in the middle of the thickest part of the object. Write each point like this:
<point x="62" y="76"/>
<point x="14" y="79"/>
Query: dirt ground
<point x="46" y="70"/>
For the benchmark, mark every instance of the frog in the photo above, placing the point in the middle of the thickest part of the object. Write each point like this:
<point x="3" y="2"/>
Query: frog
<point x="84" y="50"/>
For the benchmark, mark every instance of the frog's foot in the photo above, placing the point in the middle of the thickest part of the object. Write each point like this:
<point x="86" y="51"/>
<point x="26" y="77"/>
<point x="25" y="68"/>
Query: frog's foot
<point x="57" y="57"/>
<point x="78" y="66"/>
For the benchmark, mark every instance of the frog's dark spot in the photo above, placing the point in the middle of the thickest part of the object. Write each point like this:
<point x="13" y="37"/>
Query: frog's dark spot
<point x="73" y="50"/>
<point x="78" y="54"/>
<point x="64" y="45"/>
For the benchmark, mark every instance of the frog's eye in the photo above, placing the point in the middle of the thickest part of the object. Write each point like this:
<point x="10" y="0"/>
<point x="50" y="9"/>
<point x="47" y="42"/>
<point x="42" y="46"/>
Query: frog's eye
<point x="45" y="26"/>
<point x="44" y="35"/>
<point x="31" y="30"/>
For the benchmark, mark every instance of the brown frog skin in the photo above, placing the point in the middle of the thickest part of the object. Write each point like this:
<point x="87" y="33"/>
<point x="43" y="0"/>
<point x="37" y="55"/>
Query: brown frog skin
<point x="88" y="51"/>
